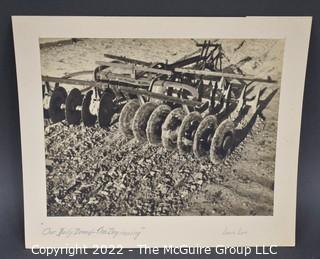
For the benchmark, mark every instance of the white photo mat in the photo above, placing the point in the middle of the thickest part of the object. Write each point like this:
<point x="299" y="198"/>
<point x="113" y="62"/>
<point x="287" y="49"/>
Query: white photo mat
<point x="130" y="231"/>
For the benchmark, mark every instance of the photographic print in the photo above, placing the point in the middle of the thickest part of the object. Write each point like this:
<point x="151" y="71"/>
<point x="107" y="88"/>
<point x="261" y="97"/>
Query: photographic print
<point x="161" y="131"/>
<point x="160" y="127"/>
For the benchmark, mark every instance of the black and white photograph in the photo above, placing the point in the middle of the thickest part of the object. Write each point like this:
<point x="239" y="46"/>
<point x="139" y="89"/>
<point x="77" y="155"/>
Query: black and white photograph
<point x="160" y="131"/>
<point x="160" y="127"/>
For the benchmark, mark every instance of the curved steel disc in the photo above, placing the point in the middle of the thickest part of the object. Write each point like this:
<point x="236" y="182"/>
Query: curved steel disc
<point x="203" y="136"/>
<point x="157" y="118"/>
<point x="43" y="89"/>
<point x="73" y="101"/>
<point x="126" y="117"/>
<point x="46" y="99"/>
<point x="223" y="141"/>
<point x="140" y="120"/>
<point x="170" y="128"/>
<point x="46" y="114"/>
<point x="88" y="118"/>
<point x="58" y="97"/>
<point x="106" y="109"/>
<point x="187" y="130"/>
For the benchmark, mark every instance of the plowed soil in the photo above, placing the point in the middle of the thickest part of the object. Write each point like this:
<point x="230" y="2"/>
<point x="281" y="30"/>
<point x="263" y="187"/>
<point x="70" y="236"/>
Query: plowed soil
<point x="98" y="172"/>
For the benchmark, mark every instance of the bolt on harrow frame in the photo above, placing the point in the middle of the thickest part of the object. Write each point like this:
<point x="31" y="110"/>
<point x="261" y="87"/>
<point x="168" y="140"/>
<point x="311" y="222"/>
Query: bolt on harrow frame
<point x="193" y="104"/>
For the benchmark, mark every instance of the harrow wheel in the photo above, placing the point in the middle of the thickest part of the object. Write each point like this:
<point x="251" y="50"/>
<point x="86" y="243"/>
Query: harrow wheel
<point x="187" y="130"/>
<point x="126" y="117"/>
<point x="88" y="118"/>
<point x="74" y="100"/>
<point x="170" y="128"/>
<point x="157" y="118"/>
<point x="203" y="136"/>
<point x="140" y="120"/>
<point x="57" y="100"/>
<point x="222" y="141"/>
<point x="106" y="109"/>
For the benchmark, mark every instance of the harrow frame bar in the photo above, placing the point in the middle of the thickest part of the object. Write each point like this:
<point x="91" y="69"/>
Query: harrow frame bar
<point x="127" y="89"/>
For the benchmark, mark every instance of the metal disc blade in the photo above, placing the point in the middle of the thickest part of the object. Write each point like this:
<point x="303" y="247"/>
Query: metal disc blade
<point x="58" y="97"/>
<point x="155" y="122"/>
<point x="170" y="128"/>
<point x="74" y="100"/>
<point x="203" y="136"/>
<point x="126" y="117"/>
<point x="187" y="130"/>
<point x="223" y="141"/>
<point x="140" y="120"/>
<point x="46" y="114"/>
<point x="88" y="118"/>
<point x="106" y="109"/>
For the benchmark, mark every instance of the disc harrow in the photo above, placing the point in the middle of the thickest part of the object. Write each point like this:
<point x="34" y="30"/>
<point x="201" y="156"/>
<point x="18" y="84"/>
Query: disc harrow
<point x="194" y="105"/>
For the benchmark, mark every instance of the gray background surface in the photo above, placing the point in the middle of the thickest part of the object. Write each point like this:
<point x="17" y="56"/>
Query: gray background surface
<point x="11" y="194"/>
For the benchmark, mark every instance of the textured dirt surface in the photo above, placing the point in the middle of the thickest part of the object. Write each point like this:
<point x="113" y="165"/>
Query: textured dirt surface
<point x="93" y="171"/>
